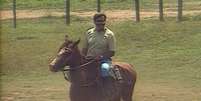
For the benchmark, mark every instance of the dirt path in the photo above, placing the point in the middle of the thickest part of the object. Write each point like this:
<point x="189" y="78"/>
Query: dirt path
<point x="112" y="14"/>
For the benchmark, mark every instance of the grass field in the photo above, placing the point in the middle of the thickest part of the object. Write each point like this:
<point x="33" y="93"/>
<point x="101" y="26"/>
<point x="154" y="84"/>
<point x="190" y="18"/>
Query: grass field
<point x="82" y="5"/>
<point x="166" y="56"/>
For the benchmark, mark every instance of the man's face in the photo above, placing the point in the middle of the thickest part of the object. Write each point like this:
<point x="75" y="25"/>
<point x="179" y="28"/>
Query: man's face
<point x="100" y="23"/>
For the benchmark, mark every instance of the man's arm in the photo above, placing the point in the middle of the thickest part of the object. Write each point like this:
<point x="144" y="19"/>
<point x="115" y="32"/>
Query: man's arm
<point x="84" y="46"/>
<point x="108" y="54"/>
<point x="111" y="46"/>
<point x="84" y="51"/>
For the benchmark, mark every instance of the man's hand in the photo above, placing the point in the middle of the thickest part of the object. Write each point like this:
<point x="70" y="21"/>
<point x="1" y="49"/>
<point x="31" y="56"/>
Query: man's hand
<point x="98" y="58"/>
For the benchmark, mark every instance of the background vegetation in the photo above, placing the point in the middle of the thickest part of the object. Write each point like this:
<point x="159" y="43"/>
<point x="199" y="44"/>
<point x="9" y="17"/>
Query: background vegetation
<point x="166" y="55"/>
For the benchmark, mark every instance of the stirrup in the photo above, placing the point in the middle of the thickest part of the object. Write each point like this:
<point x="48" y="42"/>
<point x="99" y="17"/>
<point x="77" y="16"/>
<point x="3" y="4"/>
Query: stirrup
<point x="117" y="74"/>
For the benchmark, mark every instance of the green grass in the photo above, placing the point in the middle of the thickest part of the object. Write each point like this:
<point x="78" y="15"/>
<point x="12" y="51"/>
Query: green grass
<point x="77" y="5"/>
<point x="166" y="55"/>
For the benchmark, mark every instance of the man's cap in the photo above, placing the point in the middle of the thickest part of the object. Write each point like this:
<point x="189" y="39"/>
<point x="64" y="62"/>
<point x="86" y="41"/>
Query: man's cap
<point x="97" y="15"/>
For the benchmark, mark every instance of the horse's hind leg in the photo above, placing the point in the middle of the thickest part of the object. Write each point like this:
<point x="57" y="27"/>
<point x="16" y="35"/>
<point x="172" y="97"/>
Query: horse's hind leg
<point x="127" y="95"/>
<point x="127" y="92"/>
<point x="117" y="99"/>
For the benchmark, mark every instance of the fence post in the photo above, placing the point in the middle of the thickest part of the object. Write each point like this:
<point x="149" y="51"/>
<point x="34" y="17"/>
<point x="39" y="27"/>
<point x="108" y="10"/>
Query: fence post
<point x="14" y="14"/>
<point x="161" y="10"/>
<point x="67" y="11"/>
<point x="137" y="9"/>
<point x="180" y="6"/>
<point x="98" y="6"/>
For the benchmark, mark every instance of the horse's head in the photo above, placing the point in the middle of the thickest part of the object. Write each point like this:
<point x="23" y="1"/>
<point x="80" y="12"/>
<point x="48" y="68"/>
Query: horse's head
<point x="68" y="55"/>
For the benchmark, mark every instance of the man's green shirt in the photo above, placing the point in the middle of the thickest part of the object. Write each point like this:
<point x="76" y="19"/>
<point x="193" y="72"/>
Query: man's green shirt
<point x="98" y="43"/>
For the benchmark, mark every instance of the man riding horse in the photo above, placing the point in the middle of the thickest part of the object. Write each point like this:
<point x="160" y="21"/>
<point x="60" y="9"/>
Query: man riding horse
<point x="100" y="44"/>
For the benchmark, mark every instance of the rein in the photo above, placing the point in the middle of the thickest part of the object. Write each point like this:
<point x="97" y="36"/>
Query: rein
<point x="79" y="67"/>
<point x="82" y="67"/>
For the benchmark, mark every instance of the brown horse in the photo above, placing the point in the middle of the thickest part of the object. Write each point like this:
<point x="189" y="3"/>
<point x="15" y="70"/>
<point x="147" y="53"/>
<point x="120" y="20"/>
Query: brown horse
<point x="84" y="75"/>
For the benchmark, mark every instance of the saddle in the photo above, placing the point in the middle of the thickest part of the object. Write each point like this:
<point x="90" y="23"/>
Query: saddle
<point x="111" y="71"/>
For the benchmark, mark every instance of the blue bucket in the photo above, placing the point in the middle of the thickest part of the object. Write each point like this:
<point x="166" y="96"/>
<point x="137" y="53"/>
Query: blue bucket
<point x="105" y="67"/>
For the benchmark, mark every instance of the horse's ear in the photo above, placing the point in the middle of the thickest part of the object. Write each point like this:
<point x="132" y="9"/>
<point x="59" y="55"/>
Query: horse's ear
<point x="66" y="38"/>
<point x="76" y="42"/>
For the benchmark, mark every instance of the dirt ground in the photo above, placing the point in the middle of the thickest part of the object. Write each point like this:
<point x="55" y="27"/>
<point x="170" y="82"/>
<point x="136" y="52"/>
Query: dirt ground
<point x="112" y="14"/>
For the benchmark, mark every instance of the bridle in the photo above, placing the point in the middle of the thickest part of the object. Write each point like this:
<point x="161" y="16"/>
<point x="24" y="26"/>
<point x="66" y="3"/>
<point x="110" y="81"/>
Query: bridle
<point x="68" y="50"/>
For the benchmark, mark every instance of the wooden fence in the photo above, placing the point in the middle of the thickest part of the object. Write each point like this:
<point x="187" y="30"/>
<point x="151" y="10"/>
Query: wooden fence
<point x="161" y="18"/>
<point x="137" y="11"/>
